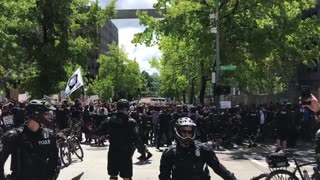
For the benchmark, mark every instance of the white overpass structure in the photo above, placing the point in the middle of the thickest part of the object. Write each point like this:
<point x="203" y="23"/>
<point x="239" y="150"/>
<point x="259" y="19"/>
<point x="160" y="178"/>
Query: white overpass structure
<point x="132" y="13"/>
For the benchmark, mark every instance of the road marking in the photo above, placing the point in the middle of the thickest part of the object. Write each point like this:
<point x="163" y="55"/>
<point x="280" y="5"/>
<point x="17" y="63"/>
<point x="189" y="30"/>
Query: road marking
<point x="262" y="164"/>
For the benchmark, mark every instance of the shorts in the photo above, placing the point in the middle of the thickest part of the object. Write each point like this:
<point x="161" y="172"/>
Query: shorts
<point x="120" y="163"/>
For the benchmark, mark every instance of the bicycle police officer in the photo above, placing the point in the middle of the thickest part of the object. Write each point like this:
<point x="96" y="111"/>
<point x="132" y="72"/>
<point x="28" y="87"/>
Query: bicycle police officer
<point x="33" y="149"/>
<point x="188" y="159"/>
<point x="124" y="138"/>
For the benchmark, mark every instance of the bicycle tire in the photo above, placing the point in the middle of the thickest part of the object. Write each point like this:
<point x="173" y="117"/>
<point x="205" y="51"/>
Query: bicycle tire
<point x="64" y="153"/>
<point x="76" y="146"/>
<point x="281" y="174"/>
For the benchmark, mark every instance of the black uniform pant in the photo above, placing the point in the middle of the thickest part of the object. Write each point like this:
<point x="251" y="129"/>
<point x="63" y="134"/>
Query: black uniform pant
<point x="120" y="163"/>
<point x="160" y="134"/>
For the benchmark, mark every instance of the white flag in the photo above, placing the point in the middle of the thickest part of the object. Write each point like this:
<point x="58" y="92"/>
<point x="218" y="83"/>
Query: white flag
<point x="74" y="83"/>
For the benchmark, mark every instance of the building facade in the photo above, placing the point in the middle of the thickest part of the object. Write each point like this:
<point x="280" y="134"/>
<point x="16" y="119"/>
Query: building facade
<point x="108" y="35"/>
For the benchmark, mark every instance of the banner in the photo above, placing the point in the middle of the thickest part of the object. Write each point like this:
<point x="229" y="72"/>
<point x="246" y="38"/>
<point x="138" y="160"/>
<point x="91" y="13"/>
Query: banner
<point x="92" y="98"/>
<point x="62" y="95"/>
<point x="23" y="97"/>
<point x="225" y="104"/>
<point x="74" y="83"/>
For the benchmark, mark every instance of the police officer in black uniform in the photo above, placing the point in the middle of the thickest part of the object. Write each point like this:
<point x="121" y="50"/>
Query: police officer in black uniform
<point x="76" y="121"/>
<point x="164" y="120"/>
<point x="33" y="149"/>
<point x="124" y="138"/>
<point x="253" y="122"/>
<point x="63" y="115"/>
<point x="188" y="160"/>
<point x="19" y="114"/>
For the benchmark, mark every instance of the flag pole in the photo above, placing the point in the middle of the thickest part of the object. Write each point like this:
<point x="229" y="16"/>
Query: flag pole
<point x="83" y="93"/>
<point x="83" y="90"/>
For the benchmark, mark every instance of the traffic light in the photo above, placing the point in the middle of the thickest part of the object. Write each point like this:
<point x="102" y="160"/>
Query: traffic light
<point x="222" y="90"/>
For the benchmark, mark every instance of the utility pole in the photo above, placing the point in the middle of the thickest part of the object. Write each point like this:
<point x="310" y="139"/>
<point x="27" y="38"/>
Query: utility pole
<point x="214" y="17"/>
<point x="217" y="43"/>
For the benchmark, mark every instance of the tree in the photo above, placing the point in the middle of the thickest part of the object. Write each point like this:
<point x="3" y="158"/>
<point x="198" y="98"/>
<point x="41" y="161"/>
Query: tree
<point x="103" y="88"/>
<point x="123" y="74"/>
<point x="149" y="84"/>
<point x="15" y="62"/>
<point x="40" y="38"/>
<point x="264" y="39"/>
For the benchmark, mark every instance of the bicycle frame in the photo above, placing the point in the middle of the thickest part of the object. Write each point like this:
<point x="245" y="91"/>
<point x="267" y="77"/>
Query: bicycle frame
<point x="296" y="169"/>
<point x="70" y="144"/>
<point x="298" y="166"/>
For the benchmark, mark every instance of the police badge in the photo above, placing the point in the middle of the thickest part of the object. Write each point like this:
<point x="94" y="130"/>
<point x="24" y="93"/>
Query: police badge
<point x="45" y="134"/>
<point x="197" y="152"/>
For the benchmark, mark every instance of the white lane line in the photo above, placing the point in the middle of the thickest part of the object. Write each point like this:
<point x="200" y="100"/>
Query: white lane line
<point x="262" y="164"/>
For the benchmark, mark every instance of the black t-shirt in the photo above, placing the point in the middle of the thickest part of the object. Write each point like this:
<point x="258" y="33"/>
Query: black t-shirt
<point x="164" y="120"/>
<point x="122" y="132"/>
<point x="283" y="119"/>
<point x="19" y="116"/>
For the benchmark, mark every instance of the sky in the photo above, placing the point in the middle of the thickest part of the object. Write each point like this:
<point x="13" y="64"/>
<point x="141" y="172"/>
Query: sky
<point x="128" y="27"/>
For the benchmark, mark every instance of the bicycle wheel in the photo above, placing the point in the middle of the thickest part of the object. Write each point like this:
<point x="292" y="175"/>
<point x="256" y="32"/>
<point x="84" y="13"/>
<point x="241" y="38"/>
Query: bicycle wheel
<point x="281" y="174"/>
<point x="65" y="155"/>
<point x="77" y="148"/>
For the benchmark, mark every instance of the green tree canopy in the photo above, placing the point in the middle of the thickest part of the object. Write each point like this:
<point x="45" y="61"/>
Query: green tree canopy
<point x="266" y="40"/>
<point x="39" y="39"/>
<point x="119" y="73"/>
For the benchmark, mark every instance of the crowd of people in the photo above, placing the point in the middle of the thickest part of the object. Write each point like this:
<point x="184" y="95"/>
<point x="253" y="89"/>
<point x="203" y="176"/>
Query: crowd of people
<point x="285" y="123"/>
<point x="135" y="126"/>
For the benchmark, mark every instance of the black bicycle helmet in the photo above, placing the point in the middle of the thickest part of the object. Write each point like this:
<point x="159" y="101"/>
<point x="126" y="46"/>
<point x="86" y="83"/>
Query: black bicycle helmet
<point x="183" y="122"/>
<point x="36" y="108"/>
<point x="123" y="104"/>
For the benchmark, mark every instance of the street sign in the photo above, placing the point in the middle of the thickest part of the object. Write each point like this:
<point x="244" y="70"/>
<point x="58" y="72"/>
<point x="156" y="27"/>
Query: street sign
<point x="213" y="78"/>
<point x="228" y="68"/>
<point x="212" y="16"/>
<point x="213" y="30"/>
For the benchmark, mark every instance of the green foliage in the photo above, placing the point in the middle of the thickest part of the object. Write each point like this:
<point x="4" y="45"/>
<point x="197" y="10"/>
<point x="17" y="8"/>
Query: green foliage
<point x="118" y="73"/>
<point x="266" y="40"/>
<point x="39" y="39"/>
<point x="103" y="88"/>
<point x="150" y="84"/>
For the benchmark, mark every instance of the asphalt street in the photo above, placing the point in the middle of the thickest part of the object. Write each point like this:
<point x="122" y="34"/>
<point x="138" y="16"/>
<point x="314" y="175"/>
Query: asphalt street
<point x="242" y="161"/>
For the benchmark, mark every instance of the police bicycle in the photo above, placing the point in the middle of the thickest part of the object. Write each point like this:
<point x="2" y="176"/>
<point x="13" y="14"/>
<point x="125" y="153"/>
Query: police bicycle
<point x="278" y="164"/>
<point x="69" y="145"/>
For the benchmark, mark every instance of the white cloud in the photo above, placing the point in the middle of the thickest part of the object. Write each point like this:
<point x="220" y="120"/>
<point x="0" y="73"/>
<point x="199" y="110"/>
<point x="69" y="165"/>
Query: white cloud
<point x="128" y="27"/>
<point x="141" y="53"/>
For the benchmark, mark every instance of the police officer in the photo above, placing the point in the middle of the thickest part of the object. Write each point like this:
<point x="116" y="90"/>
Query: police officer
<point x="282" y="128"/>
<point x="33" y="149"/>
<point x="76" y="118"/>
<point x="253" y="122"/>
<point x="62" y="115"/>
<point x="164" y="120"/>
<point x="188" y="160"/>
<point x="124" y="138"/>
<point x="19" y="114"/>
